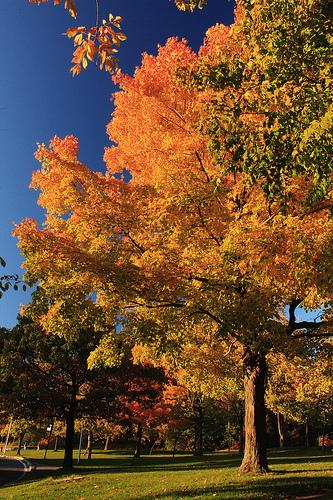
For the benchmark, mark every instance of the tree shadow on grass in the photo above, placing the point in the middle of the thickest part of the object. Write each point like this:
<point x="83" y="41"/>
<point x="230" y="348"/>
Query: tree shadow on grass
<point x="298" y="460"/>
<point x="277" y="484"/>
<point x="301" y="453"/>
<point x="150" y="462"/>
<point x="126" y="464"/>
<point x="270" y="488"/>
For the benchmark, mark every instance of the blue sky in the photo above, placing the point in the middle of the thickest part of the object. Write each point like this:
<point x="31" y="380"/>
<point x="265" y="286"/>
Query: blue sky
<point x="39" y="98"/>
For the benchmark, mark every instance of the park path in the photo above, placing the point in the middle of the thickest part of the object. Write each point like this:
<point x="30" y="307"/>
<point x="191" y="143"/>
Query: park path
<point x="12" y="469"/>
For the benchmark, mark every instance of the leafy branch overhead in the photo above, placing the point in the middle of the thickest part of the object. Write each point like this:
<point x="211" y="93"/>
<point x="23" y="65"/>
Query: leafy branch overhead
<point x="9" y="280"/>
<point x="100" y="42"/>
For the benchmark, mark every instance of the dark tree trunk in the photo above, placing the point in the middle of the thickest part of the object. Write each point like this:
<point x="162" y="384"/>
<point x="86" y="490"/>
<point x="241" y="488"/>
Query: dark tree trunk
<point x="241" y="433"/>
<point x="323" y="440"/>
<point x="106" y="444"/>
<point x="175" y="444"/>
<point x="198" y="425"/>
<point x="137" y="452"/>
<point x="90" y="444"/>
<point x="255" y="453"/>
<point x="56" y="443"/>
<point x="307" y="438"/>
<point x="281" y="429"/>
<point x="20" y="443"/>
<point x="239" y="412"/>
<point x="70" y="431"/>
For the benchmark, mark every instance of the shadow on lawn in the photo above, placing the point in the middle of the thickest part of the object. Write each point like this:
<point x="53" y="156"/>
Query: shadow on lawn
<point x="299" y="460"/>
<point x="126" y="464"/>
<point x="269" y="488"/>
<point x="147" y="462"/>
<point x="277" y="484"/>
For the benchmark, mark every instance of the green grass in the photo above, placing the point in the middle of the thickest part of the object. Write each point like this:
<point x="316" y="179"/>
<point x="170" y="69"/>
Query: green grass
<point x="295" y="473"/>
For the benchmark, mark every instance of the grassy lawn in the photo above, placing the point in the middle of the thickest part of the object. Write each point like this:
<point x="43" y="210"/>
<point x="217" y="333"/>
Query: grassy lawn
<point x="301" y="473"/>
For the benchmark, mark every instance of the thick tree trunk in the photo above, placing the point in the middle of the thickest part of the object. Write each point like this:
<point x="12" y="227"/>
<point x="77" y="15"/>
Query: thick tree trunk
<point x="281" y="429"/>
<point x="106" y="444"/>
<point x="90" y="444"/>
<point x="255" y="453"/>
<point x="198" y="425"/>
<point x="70" y="431"/>
<point x="137" y="452"/>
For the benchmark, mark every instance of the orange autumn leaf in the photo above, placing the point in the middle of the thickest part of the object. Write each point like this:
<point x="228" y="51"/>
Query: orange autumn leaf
<point x="96" y="43"/>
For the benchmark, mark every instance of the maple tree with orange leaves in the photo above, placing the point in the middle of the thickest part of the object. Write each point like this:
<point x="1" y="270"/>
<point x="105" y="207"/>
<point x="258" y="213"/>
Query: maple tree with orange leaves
<point x="194" y="234"/>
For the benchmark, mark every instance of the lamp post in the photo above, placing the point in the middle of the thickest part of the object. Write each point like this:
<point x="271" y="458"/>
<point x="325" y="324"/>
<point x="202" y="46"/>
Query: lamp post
<point x="49" y="429"/>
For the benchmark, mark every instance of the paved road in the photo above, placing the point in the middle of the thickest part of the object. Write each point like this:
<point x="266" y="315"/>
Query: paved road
<point x="12" y="469"/>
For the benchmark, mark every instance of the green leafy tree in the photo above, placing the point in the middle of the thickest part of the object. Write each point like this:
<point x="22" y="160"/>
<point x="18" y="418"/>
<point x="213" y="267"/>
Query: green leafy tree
<point x="300" y="386"/>
<point x="44" y="376"/>
<point x="276" y="122"/>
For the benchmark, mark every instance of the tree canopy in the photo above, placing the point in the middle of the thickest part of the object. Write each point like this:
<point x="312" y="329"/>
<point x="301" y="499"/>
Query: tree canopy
<point x="226" y="224"/>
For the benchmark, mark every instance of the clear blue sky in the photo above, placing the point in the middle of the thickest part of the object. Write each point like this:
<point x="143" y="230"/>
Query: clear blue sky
<point x="39" y="98"/>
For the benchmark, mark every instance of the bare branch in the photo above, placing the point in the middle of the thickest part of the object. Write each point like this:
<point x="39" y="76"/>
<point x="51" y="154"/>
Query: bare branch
<point x="176" y="113"/>
<point x="207" y="281"/>
<point x="321" y="206"/>
<point x="155" y="304"/>
<point x="97" y="14"/>
<point x="309" y="329"/>
<point x="206" y="228"/>
<point x="229" y="350"/>
<point x="139" y="247"/>
<point x="204" y="311"/>
<point x="202" y="166"/>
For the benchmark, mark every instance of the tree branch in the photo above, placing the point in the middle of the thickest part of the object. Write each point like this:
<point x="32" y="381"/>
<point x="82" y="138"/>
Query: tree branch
<point x="97" y="14"/>
<point x="308" y="327"/>
<point x="229" y="349"/>
<point x="202" y="166"/>
<point x="207" y="281"/>
<point x="206" y="228"/>
<point x="204" y="311"/>
<point x="132" y="240"/>
<point x="156" y="305"/>
<point x="322" y="206"/>
<point x="292" y="318"/>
